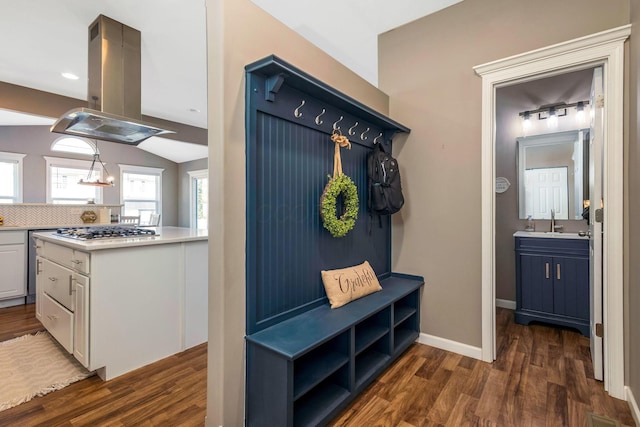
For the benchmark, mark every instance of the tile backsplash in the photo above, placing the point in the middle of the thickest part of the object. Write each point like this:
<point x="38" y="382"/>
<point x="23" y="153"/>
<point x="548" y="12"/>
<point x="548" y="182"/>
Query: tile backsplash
<point x="40" y="214"/>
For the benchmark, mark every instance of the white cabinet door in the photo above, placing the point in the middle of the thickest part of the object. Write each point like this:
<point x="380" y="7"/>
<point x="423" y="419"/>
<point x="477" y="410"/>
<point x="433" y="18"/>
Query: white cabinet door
<point x="81" y="319"/>
<point x="13" y="281"/>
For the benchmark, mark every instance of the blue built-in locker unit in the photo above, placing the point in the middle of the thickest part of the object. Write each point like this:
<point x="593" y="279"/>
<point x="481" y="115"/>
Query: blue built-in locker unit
<point x="306" y="361"/>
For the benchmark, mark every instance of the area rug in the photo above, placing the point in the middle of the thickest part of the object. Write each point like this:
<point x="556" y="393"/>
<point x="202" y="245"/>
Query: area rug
<point x="34" y="365"/>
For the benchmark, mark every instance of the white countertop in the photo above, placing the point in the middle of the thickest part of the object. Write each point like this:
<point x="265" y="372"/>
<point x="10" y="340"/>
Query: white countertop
<point x="549" y="235"/>
<point x="165" y="235"/>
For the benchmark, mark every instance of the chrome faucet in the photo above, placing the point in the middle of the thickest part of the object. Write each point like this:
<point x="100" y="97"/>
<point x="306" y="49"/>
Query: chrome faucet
<point x="555" y="227"/>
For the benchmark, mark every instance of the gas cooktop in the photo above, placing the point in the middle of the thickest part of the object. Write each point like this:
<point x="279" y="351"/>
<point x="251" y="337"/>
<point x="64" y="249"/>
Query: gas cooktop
<point x="107" y="232"/>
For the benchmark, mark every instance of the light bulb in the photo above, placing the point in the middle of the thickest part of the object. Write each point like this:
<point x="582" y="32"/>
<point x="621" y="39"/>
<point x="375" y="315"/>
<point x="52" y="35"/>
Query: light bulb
<point x="580" y="116"/>
<point x="553" y="118"/>
<point x="526" y="122"/>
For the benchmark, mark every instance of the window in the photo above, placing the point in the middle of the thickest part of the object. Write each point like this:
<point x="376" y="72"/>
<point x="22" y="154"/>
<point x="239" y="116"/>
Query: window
<point x="141" y="191"/>
<point x="62" y="181"/>
<point x="11" y="177"/>
<point x="199" y="199"/>
<point x="69" y="144"/>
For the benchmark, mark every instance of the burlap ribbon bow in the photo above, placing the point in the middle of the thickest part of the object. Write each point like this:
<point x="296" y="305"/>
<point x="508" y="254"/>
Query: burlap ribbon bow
<point x="341" y="141"/>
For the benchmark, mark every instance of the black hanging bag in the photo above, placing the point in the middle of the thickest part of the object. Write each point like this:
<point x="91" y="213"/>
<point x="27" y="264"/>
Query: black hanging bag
<point x="385" y="190"/>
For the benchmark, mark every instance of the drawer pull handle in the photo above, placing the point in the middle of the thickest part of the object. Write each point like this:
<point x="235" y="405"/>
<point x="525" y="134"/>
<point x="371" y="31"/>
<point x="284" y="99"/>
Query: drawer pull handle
<point x="52" y="317"/>
<point x="70" y="284"/>
<point x="546" y="268"/>
<point x="38" y="271"/>
<point x="558" y="271"/>
<point x="76" y="261"/>
<point x="53" y="279"/>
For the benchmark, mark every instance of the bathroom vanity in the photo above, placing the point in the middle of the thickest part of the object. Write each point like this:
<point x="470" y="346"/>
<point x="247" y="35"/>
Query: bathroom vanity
<point x="552" y="279"/>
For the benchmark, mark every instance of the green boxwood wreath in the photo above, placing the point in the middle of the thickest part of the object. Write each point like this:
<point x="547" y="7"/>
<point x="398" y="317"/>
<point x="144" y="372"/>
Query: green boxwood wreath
<point x="339" y="227"/>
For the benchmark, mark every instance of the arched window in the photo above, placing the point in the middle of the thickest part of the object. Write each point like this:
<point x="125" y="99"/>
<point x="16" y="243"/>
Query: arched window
<point x="71" y="144"/>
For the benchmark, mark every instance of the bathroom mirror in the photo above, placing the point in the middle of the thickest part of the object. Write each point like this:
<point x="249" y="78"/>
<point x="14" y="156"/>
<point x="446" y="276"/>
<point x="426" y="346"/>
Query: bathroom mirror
<point x="553" y="173"/>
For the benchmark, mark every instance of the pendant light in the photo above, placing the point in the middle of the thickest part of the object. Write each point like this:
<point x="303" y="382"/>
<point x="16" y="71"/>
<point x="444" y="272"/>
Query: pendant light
<point x="109" y="182"/>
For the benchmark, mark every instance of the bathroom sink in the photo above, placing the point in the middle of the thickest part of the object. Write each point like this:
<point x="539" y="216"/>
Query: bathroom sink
<point x="549" y="235"/>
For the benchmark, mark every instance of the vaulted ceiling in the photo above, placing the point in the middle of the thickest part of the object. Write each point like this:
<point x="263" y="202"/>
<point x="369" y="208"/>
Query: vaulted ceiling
<point x="39" y="40"/>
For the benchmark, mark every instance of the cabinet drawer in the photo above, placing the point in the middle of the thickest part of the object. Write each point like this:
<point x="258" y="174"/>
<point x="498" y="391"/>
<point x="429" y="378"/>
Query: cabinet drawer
<point x="60" y="254"/>
<point x="578" y="247"/>
<point x="12" y="237"/>
<point x="80" y="262"/>
<point x="57" y="282"/>
<point x="75" y="260"/>
<point x="58" y="321"/>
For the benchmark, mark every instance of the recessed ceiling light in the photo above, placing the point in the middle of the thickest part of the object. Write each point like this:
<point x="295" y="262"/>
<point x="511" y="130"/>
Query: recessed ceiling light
<point x="70" y="76"/>
<point x="194" y="110"/>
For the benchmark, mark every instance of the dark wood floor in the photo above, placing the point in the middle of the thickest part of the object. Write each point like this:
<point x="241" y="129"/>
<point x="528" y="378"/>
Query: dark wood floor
<point x="542" y="377"/>
<point x="171" y="392"/>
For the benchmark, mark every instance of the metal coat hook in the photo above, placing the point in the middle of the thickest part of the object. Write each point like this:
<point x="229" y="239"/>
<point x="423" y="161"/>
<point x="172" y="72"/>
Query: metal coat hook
<point x="375" y="140"/>
<point x="297" y="112"/>
<point x="362" y="137"/>
<point x="335" y="125"/>
<point x="318" y="121"/>
<point x="351" y="131"/>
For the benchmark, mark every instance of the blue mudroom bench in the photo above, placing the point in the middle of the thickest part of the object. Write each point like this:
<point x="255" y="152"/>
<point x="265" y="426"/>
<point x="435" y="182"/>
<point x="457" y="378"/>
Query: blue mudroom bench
<point x="306" y="361"/>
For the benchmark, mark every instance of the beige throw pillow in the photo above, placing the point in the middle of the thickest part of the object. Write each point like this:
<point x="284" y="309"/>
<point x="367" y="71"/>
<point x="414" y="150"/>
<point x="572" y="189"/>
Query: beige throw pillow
<point x="348" y="284"/>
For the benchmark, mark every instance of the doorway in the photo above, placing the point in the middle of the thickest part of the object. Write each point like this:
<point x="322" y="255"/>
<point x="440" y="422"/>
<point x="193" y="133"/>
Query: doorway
<point x="548" y="163"/>
<point x="607" y="50"/>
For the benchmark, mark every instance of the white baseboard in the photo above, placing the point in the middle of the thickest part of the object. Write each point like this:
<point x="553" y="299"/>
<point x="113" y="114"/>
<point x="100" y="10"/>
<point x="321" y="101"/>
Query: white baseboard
<point x="453" y="346"/>
<point x="505" y="303"/>
<point x="633" y="405"/>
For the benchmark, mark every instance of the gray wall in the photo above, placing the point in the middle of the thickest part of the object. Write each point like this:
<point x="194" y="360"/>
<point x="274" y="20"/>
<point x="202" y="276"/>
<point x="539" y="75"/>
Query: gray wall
<point x="426" y="68"/>
<point x="632" y="241"/>
<point x="35" y="142"/>
<point x="510" y="101"/>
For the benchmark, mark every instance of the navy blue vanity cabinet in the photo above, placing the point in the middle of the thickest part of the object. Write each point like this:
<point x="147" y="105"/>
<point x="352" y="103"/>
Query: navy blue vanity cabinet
<point x="552" y="281"/>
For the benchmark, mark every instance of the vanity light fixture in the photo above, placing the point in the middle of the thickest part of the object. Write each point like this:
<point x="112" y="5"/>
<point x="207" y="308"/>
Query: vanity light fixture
<point x="553" y="112"/>
<point x="109" y="182"/>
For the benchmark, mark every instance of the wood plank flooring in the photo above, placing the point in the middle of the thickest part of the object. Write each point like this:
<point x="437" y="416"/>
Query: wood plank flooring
<point x="171" y="392"/>
<point x="17" y="321"/>
<point x="543" y="377"/>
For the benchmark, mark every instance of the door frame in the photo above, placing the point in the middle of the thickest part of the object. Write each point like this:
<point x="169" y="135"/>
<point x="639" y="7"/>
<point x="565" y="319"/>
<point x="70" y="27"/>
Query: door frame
<point x="607" y="49"/>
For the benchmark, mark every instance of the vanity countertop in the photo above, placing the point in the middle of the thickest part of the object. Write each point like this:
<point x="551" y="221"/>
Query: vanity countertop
<point x="549" y="235"/>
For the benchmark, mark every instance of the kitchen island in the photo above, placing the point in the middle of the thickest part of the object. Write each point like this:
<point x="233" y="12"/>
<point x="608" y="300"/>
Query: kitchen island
<point x="119" y="304"/>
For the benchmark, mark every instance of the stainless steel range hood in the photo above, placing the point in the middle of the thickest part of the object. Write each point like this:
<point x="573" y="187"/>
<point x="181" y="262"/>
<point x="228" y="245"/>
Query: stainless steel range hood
<point x="114" y="89"/>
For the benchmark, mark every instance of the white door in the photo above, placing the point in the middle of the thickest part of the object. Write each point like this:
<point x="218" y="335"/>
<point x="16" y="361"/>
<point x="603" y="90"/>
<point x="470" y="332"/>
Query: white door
<point x="547" y="189"/>
<point x="595" y="228"/>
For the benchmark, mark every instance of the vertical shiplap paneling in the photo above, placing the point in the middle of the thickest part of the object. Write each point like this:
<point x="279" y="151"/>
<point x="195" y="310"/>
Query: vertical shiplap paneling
<point x="291" y="245"/>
